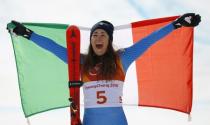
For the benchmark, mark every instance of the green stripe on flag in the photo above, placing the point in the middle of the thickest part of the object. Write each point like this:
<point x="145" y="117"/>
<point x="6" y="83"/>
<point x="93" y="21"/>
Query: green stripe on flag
<point x="42" y="77"/>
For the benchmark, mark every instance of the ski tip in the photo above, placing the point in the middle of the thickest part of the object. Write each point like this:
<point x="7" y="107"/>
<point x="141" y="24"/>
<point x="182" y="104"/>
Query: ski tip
<point x="73" y="26"/>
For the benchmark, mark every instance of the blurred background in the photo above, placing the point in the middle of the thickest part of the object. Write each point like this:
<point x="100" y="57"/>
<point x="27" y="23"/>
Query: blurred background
<point x="86" y="13"/>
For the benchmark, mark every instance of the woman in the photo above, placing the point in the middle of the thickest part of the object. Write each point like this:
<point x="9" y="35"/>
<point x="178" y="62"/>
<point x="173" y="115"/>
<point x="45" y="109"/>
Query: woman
<point x="103" y="68"/>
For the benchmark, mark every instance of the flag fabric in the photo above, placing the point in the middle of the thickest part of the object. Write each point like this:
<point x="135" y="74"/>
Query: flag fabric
<point x="164" y="72"/>
<point x="161" y="77"/>
<point x="42" y="77"/>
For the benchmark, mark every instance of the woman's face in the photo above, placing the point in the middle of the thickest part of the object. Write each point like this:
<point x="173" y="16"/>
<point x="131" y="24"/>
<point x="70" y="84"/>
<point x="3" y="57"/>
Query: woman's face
<point x="99" y="41"/>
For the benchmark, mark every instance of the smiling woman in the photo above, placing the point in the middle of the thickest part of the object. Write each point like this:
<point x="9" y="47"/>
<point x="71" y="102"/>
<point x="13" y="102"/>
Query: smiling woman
<point x="101" y="50"/>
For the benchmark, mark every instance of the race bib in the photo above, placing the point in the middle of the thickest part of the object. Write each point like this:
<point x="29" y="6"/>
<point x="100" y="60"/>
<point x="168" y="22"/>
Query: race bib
<point x="103" y="93"/>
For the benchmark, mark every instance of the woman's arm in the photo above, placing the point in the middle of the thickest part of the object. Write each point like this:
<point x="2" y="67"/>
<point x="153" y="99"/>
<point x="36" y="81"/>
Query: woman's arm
<point x="130" y="54"/>
<point x="50" y="45"/>
<point x="41" y="41"/>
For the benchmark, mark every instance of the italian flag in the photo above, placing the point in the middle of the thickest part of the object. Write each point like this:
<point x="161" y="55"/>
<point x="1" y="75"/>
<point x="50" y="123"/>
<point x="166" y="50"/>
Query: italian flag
<point x="161" y="77"/>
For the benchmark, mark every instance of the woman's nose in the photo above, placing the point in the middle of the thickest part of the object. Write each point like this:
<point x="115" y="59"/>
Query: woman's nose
<point x="99" y="37"/>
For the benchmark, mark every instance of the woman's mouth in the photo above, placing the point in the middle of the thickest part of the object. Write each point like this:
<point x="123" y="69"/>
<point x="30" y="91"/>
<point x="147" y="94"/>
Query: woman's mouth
<point x="99" y="46"/>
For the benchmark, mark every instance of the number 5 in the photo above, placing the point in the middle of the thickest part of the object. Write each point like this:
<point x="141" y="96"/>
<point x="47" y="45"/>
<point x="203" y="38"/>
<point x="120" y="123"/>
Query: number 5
<point x="101" y="98"/>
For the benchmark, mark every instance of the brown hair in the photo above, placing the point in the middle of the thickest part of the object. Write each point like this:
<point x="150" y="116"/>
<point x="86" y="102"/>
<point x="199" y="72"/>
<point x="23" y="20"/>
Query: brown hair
<point x="108" y="62"/>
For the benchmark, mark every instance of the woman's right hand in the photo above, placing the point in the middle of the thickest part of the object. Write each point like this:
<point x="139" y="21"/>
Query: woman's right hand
<point x="21" y="30"/>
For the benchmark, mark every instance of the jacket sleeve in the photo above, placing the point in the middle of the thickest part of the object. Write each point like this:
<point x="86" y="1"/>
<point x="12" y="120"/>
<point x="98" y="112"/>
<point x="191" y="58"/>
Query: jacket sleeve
<point x="50" y="45"/>
<point x="130" y="54"/>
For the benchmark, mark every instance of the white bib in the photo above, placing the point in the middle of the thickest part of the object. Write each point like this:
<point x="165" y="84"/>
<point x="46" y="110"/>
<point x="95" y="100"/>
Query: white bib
<point x="103" y="93"/>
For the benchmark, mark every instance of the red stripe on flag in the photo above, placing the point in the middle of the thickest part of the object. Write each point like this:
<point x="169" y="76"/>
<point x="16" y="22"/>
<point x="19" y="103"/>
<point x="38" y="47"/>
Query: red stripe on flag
<point x="164" y="71"/>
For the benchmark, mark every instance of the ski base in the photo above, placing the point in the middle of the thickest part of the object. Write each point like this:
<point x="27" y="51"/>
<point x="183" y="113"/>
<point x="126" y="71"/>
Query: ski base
<point x="73" y="53"/>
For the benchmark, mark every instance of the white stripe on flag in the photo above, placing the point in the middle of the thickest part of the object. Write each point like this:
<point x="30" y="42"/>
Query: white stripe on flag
<point x="123" y="38"/>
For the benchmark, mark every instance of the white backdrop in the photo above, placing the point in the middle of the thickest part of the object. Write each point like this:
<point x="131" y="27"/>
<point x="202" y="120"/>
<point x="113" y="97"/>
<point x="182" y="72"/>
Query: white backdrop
<point x="86" y="13"/>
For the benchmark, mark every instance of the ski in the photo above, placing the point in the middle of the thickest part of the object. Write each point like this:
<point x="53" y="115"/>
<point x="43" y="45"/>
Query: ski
<point x="73" y="54"/>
